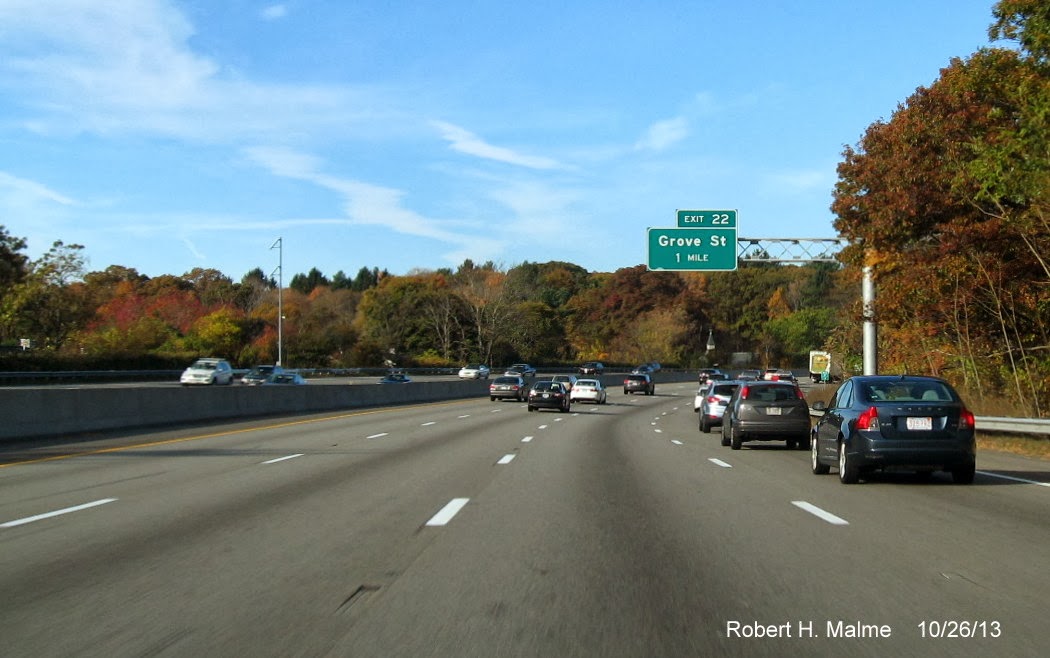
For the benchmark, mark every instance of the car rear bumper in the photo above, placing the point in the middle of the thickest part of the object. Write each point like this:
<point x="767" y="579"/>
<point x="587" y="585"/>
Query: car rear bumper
<point x="505" y="394"/>
<point x="547" y="404"/>
<point x="772" y="430"/>
<point x="937" y="454"/>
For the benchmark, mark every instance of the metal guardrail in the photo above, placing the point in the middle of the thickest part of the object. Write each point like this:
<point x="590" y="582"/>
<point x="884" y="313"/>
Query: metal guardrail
<point x="1013" y="425"/>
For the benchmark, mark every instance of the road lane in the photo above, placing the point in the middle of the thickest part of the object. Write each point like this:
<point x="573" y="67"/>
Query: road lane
<point x="610" y="532"/>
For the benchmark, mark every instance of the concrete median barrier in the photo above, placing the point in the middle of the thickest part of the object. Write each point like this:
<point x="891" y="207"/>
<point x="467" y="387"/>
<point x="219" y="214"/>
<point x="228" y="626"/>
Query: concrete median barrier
<point x="52" y="411"/>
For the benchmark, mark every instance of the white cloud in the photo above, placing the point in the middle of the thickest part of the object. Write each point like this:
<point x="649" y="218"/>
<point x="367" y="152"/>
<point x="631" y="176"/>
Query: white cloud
<point x="274" y="12"/>
<point x="285" y="162"/>
<point x="24" y="191"/>
<point x="466" y="142"/>
<point x="112" y="66"/>
<point x="369" y="204"/>
<point x="664" y="134"/>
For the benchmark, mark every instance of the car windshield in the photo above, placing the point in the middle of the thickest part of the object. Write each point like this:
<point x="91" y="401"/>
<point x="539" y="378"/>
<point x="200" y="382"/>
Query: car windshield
<point x="205" y="365"/>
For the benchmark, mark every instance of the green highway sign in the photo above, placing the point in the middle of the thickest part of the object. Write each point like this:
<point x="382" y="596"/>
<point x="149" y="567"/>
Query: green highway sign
<point x="706" y="219"/>
<point x="688" y="249"/>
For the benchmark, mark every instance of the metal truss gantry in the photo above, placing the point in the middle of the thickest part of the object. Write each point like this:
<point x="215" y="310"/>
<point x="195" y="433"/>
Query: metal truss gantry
<point x="789" y="250"/>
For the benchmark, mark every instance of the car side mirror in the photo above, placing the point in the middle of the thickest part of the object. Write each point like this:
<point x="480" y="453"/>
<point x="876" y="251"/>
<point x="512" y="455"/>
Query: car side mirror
<point x="819" y="405"/>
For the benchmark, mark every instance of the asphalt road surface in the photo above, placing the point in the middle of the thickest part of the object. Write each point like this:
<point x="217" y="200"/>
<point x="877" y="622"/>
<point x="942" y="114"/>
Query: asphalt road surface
<point x="476" y="528"/>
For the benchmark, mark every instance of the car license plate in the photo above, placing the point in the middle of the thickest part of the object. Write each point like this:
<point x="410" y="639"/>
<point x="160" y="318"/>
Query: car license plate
<point x="774" y="411"/>
<point x="546" y="395"/>
<point x="919" y="423"/>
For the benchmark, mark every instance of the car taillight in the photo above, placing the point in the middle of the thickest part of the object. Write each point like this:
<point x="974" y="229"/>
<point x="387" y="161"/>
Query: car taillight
<point x="744" y="392"/>
<point x="712" y="399"/>
<point x="799" y="394"/>
<point x="869" y="420"/>
<point x="966" y="420"/>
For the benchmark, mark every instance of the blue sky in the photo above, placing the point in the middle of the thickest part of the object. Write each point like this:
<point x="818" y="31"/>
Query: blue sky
<point x="167" y="135"/>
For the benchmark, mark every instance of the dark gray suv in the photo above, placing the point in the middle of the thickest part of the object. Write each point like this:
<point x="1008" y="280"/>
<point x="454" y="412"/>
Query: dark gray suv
<point x="639" y="383"/>
<point x="766" y="411"/>
<point x="890" y="422"/>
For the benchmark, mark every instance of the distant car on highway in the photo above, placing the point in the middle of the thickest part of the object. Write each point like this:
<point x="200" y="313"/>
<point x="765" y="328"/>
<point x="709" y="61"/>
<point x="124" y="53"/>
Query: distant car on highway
<point x="594" y="368"/>
<point x="285" y="379"/>
<point x="207" y="371"/>
<point x="509" y="386"/>
<point x="395" y="378"/>
<point x="547" y="394"/>
<point x="523" y="369"/>
<point x="903" y="422"/>
<point x="588" y="390"/>
<point x="766" y="411"/>
<point x="709" y="373"/>
<point x="474" y="371"/>
<point x="568" y="381"/>
<point x="639" y="383"/>
<point x="259" y="374"/>
<point x="749" y="375"/>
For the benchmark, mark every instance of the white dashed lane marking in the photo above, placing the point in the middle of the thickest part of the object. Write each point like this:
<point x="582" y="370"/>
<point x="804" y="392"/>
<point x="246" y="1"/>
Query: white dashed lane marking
<point x="285" y="458"/>
<point x="48" y="515"/>
<point x="448" y="512"/>
<point x="819" y="513"/>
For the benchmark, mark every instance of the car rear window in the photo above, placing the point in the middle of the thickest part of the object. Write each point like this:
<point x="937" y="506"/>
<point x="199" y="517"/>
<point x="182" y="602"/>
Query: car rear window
<point x="772" y="393"/>
<point x="506" y="380"/>
<point x="909" y="392"/>
<point x="725" y="389"/>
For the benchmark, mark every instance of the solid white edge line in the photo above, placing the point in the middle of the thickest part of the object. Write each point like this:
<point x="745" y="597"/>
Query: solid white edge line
<point x="48" y="515"/>
<point x="819" y="513"/>
<point x="447" y="512"/>
<point x="506" y="459"/>
<point x="1007" y="477"/>
<point x="718" y="462"/>
<point x="281" y="459"/>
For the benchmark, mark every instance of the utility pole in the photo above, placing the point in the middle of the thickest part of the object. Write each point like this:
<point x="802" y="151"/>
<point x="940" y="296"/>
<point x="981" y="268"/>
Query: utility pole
<point x="279" y="246"/>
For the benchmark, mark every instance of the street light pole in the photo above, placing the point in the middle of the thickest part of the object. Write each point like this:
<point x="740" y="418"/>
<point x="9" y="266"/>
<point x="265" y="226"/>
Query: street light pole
<point x="279" y="246"/>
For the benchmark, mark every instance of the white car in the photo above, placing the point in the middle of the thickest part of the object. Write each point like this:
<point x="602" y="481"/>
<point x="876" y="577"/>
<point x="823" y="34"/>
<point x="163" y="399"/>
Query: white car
<point x="208" y="371"/>
<point x="474" y="371"/>
<point x="588" y="390"/>
<point x="701" y="393"/>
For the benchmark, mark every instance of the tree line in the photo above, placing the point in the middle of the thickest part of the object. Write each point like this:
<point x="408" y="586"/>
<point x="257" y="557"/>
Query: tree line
<point x="547" y="313"/>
